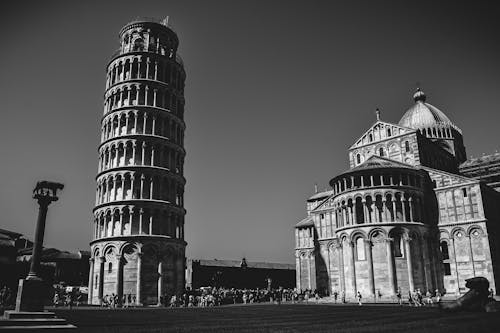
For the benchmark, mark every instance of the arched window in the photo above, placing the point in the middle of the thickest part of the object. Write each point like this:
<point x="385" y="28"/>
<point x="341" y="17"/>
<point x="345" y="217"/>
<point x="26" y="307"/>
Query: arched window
<point x="110" y="267"/>
<point x="398" y="246"/>
<point x="444" y="250"/>
<point x="388" y="132"/>
<point x="407" y="146"/>
<point x="360" y="249"/>
<point x="381" y="151"/>
<point x="358" y="158"/>
<point x="138" y="45"/>
<point x="371" y="137"/>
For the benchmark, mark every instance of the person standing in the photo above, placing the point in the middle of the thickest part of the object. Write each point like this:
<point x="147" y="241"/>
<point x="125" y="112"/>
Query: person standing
<point x="359" y="297"/>
<point x="335" y="295"/>
<point x="438" y="296"/>
<point x="399" y="297"/>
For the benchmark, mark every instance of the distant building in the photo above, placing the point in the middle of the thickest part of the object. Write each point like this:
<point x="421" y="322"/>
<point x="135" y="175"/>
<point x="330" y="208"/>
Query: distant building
<point x="70" y="268"/>
<point x="138" y="245"/>
<point x="238" y="274"/>
<point x="410" y="213"/>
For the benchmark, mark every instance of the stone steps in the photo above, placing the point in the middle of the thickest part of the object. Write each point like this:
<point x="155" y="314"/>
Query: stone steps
<point x="32" y="321"/>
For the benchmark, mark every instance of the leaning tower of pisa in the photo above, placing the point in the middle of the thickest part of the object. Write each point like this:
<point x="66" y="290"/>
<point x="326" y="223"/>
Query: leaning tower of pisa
<point x="138" y="247"/>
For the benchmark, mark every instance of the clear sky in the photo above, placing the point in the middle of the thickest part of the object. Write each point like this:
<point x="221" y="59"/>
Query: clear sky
<point x="276" y="92"/>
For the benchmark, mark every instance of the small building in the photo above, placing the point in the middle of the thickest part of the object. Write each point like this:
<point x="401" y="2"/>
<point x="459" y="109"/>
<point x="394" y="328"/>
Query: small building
<point x="238" y="274"/>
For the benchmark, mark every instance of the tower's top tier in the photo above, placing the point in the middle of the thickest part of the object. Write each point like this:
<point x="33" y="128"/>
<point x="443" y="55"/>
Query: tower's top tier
<point x="148" y="35"/>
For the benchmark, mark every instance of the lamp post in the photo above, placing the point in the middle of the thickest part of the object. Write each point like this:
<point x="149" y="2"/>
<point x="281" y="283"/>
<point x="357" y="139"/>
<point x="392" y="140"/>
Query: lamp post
<point x="33" y="290"/>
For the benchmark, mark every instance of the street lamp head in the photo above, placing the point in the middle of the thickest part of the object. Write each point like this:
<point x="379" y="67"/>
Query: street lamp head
<point x="46" y="191"/>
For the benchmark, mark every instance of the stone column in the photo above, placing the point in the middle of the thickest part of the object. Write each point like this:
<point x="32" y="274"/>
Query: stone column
<point x="341" y="266"/>
<point x="141" y="195"/>
<point x="138" y="281"/>
<point x="309" y="284"/>
<point x="101" y="279"/>
<point x="297" y="270"/>
<point x="369" y="261"/>
<point x="143" y="155"/>
<point x="409" y="262"/>
<point x="119" y="279"/>
<point x="410" y="208"/>
<point x="394" y="208"/>
<point x="384" y="209"/>
<point x="121" y="223"/>
<point x="353" y="212"/>
<point x="353" y="270"/>
<point x="141" y="213"/>
<point x="403" y="208"/>
<point x="366" y="215"/>
<point x="91" y="280"/>
<point x="151" y="224"/>
<point x="391" y="266"/>
<point x="425" y="259"/>
<point x="180" y="272"/>
<point x="160" y="281"/>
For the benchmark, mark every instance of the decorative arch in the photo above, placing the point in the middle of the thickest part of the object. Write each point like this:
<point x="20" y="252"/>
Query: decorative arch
<point x="373" y="233"/>
<point x="473" y="228"/>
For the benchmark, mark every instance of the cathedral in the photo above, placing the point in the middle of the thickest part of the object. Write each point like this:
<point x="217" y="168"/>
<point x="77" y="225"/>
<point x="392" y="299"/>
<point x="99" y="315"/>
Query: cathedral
<point x="411" y="212"/>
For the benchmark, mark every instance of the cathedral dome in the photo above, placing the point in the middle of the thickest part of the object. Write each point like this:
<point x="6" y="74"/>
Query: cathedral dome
<point x="423" y="115"/>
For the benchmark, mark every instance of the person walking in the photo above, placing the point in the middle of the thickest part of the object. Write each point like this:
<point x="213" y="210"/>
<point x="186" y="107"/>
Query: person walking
<point x="343" y="296"/>
<point x="335" y="295"/>
<point x="359" y="298"/>
<point x="438" y="296"/>
<point x="399" y="297"/>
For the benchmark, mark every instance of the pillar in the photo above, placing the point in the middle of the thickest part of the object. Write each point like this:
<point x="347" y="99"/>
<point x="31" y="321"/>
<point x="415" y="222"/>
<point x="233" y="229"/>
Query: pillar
<point x="119" y="279"/>
<point x="138" y="281"/>
<point x="353" y="270"/>
<point x="409" y="262"/>
<point x="391" y="267"/>
<point x="369" y="261"/>
<point x="341" y="267"/>
<point x="101" y="278"/>
<point x="160" y="281"/>
<point x="425" y="260"/>
<point x="91" y="280"/>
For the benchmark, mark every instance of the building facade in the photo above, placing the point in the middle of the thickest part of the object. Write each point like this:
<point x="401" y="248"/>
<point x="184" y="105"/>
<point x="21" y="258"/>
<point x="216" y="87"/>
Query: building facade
<point x="410" y="213"/>
<point x="240" y="274"/>
<point x="138" y="245"/>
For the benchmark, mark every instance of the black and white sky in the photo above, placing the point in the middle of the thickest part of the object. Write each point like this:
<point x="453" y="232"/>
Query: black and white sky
<point x="276" y="92"/>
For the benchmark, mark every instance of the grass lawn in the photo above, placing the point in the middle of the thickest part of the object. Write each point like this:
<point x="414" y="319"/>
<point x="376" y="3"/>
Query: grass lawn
<point x="281" y="318"/>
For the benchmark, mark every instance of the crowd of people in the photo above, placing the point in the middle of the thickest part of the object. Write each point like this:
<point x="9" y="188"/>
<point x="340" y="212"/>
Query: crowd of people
<point x="205" y="297"/>
<point x="7" y="297"/>
<point x="64" y="296"/>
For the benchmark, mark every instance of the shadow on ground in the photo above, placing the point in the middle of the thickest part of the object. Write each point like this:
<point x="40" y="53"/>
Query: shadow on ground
<point x="280" y="318"/>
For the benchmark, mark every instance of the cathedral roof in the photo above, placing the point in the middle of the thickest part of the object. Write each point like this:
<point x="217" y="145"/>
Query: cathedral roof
<point x="377" y="162"/>
<point x="483" y="160"/>
<point x="320" y="195"/>
<point x="308" y="221"/>
<point x="424" y="115"/>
